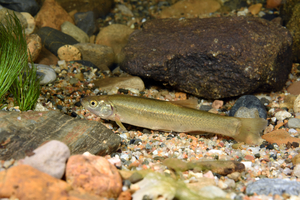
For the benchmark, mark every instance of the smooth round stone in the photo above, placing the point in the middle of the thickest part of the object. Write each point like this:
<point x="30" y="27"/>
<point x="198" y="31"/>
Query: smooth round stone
<point x="294" y="123"/>
<point x="249" y="101"/>
<point x="46" y="73"/>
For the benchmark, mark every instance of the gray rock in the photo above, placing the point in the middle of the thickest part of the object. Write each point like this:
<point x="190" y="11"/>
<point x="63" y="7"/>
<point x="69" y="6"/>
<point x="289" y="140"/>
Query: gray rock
<point x="29" y="6"/>
<point x="75" y="32"/>
<point x="294" y="123"/>
<point x="244" y="112"/>
<point x="4" y="12"/>
<point x="50" y="158"/>
<point x="268" y="186"/>
<point x="100" y="55"/>
<point x="45" y="73"/>
<point x="212" y="57"/>
<point x="249" y="101"/>
<point x="86" y="22"/>
<point x="28" y="130"/>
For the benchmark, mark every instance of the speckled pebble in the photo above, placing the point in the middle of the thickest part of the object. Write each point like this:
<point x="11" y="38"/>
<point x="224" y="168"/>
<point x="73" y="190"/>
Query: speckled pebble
<point x="294" y="123"/>
<point x="268" y="186"/>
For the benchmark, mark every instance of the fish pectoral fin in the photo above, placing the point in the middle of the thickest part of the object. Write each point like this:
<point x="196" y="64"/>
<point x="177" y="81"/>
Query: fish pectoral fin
<point x="189" y="103"/>
<point x="118" y="121"/>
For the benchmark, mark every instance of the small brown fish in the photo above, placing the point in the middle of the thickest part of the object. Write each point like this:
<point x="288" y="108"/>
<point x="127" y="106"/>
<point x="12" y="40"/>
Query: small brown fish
<point x="165" y="115"/>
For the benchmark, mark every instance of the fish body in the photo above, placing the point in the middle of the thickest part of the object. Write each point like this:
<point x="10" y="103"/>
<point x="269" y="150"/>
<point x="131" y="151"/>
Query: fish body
<point x="165" y="115"/>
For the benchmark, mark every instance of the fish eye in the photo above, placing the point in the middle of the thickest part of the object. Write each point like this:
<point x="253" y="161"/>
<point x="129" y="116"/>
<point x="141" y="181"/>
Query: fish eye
<point x="93" y="103"/>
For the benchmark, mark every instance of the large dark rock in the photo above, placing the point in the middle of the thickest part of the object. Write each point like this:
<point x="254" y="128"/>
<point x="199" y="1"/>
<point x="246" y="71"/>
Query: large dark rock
<point x="212" y="58"/>
<point x="21" y="133"/>
<point x="290" y="13"/>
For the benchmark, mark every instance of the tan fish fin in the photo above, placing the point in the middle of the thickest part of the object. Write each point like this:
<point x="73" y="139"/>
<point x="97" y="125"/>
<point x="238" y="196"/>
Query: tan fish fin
<point x="118" y="121"/>
<point x="250" y="130"/>
<point x="189" y="103"/>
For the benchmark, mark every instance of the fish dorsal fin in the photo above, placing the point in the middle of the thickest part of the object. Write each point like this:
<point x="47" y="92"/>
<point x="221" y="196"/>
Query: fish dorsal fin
<point x="189" y="103"/>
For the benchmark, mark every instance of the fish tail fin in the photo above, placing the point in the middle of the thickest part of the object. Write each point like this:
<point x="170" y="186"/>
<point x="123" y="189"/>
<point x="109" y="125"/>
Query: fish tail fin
<point x="250" y="130"/>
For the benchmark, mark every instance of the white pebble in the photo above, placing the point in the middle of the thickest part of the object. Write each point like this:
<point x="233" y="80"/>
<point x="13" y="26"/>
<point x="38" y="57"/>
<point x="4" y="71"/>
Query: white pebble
<point x="281" y="115"/>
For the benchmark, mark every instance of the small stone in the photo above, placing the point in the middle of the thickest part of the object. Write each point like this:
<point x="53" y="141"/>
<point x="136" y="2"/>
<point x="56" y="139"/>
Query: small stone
<point x="125" y="196"/>
<point x="133" y="82"/>
<point x="254" y="9"/>
<point x="68" y="53"/>
<point x="211" y="192"/>
<point x="34" y="46"/>
<point x="30" y="23"/>
<point x="116" y="37"/>
<point x="94" y="174"/>
<point x="249" y="101"/>
<point x="281" y="115"/>
<point x="26" y="182"/>
<point x="124" y="10"/>
<point x="273" y="3"/>
<point x="86" y="22"/>
<point x="8" y="163"/>
<point x="45" y="73"/>
<point x="244" y="112"/>
<point x="49" y="158"/>
<point x="29" y="6"/>
<point x="217" y="104"/>
<point x="190" y="9"/>
<point x="296" y="159"/>
<point x="294" y="123"/>
<point x="46" y="57"/>
<point x="296" y="170"/>
<point x="75" y="32"/>
<point x="294" y="88"/>
<point x="297" y="104"/>
<point x="274" y="186"/>
<point x="52" y="15"/>
<point x="100" y="55"/>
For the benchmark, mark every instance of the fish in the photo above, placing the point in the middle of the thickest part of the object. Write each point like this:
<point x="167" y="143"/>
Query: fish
<point x="170" y="116"/>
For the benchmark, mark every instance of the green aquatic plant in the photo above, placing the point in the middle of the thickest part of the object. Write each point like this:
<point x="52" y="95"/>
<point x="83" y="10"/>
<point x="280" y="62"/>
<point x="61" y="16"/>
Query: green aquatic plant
<point x="15" y="75"/>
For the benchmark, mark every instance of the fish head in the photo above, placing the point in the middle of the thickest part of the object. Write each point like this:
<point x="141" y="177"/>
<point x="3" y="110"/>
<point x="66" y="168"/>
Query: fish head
<point x="98" y="105"/>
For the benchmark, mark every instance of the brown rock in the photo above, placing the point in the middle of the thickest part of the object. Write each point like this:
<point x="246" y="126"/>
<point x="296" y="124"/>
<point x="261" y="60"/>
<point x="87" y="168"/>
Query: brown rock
<point x="25" y="131"/>
<point x="25" y="182"/>
<point x="34" y="45"/>
<point x="296" y="159"/>
<point x="68" y="53"/>
<point x="254" y="9"/>
<point x="212" y="57"/>
<point x="94" y="174"/>
<point x="52" y="15"/>
<point x="120" y="82"/>
<point x="273" y="3"/>
<point x="116" y="37"/>
<point x="125" y="196"/>
<point x="190" y="8"/>
<point x="100" y="55"/>
<point x="294" y="88"/>
<point x="46" y="57"/>
<point x="280" y="137"/>
<point x="100" y="7"/>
